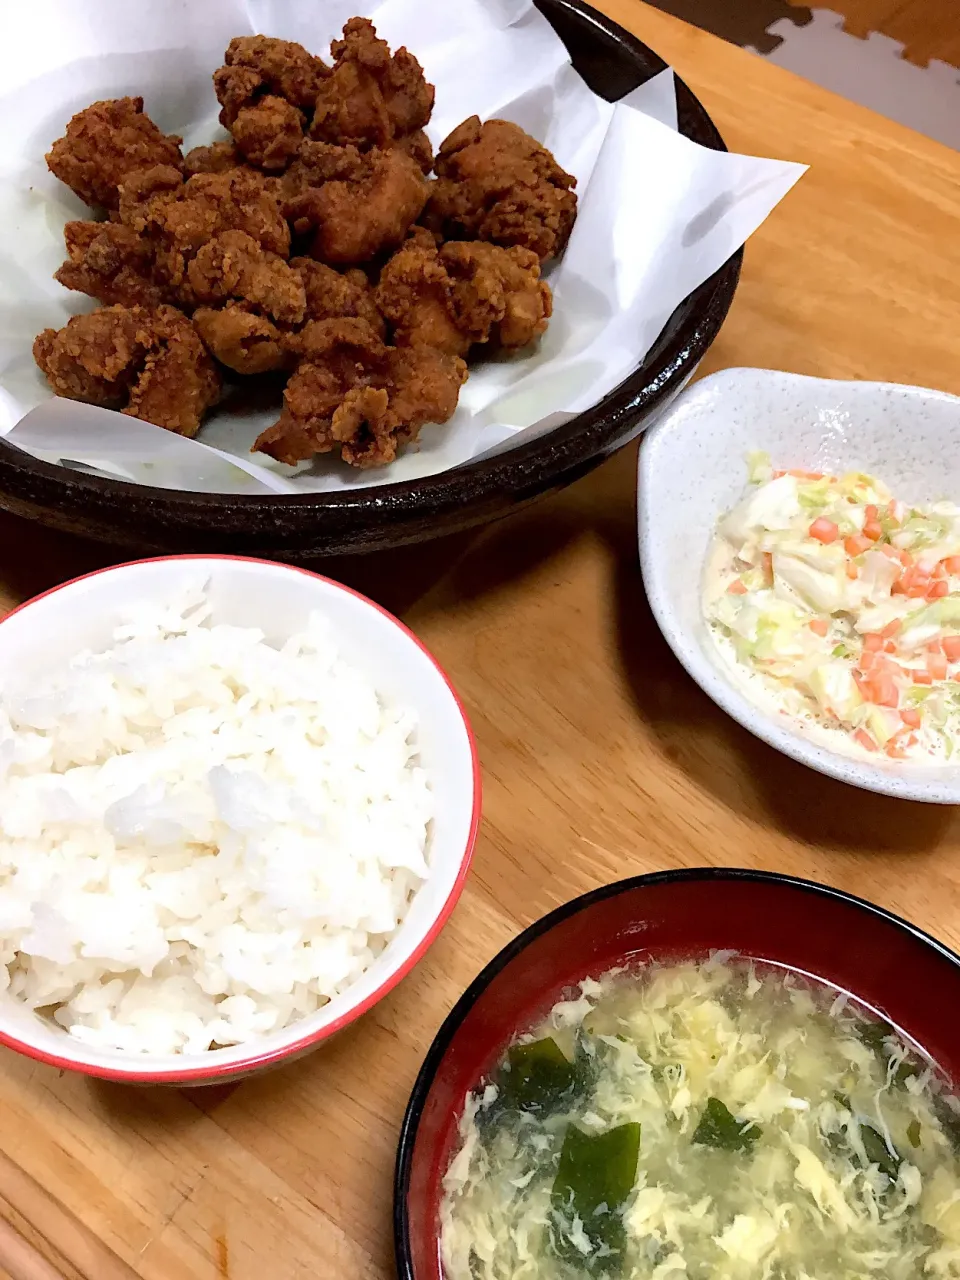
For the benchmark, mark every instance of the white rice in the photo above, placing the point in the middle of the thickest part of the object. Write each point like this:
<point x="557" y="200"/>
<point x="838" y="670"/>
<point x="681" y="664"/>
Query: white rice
<point x="202" y="838"/>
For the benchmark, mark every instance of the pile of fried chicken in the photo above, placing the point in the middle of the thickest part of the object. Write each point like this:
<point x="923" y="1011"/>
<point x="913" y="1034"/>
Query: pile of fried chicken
<point x="314" y="242"/>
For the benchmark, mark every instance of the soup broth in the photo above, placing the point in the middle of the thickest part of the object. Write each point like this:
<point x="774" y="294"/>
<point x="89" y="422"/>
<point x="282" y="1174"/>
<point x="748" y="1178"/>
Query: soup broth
<point x="706" y="1121"/>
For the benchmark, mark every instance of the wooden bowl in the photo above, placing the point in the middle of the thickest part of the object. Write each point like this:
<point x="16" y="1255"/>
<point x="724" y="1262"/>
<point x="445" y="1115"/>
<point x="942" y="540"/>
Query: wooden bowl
<point x="310" y="526"/>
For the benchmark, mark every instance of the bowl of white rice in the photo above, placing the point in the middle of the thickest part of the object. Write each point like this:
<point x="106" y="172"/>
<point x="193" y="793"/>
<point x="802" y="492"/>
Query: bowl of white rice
<point x="238" y="801"/>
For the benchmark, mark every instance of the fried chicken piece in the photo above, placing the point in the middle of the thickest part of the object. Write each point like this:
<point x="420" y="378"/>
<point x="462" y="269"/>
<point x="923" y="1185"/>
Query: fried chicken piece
<point x="260" y="66"/>
<point x="145" y="192"/>
<point x="346" y="344"/>
<point x="419" y="234"/>
<point x="233" y="266"/>
<point x="425" y="387"/>
<point x="179" y="381"/>
<point x="242" y="339"/>
<point x="111" y="263"/>
<point x="106" y="142"/>
<point x="352" y="392"/>
<point x="159" y="202"/>
<point x="265" y="89"/>
<point x="269" y="132"/>
<point x="242" y="200"/>
<point x="245" y="340"/>
<point x="415" y="295"/>
<point x="92" y="357"/>
<point x="337" y="356"/>
<point x="147" y="362"/>
<point x="219" y="243"/>
<point x="417" y="146"/>
<point x="356" y="204"/>
<point x="334" y="295"/>
<point x="263" y="297"/>
<point x="495" y="182"/>
<point x="464" y="293"/>
<point x="370" y="98"/>
<point x="179" y="217"/>
<point x="217" y="158"/>
<point x="498" y="294"/>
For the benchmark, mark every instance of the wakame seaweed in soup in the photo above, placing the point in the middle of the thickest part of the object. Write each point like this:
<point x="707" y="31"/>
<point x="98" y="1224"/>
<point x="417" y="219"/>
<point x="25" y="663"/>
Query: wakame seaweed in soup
<point x="706" y="1121"/>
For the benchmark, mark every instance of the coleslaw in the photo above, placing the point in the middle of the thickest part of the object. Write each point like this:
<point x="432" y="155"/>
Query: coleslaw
<point x="845" y="602"/>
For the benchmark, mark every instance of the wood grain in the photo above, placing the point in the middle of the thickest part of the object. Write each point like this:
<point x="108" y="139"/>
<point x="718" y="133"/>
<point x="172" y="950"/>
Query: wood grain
<point x="601" y="758"/>
<point x="926" y="28"/>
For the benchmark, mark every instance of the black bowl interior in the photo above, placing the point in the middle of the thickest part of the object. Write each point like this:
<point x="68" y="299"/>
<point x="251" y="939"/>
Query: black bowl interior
<point x="308" y="526"/>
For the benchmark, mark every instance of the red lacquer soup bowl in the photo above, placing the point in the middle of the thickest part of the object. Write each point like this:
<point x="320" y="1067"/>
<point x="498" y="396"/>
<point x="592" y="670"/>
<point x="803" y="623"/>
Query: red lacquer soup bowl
<point x="903" y="974"/>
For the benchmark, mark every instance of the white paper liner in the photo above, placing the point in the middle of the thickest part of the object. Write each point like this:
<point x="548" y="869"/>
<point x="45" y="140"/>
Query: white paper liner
<point x="658" y="215"/>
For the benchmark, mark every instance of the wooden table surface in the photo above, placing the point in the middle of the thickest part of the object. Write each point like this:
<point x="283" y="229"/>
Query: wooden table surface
<point x="601" y="758"/>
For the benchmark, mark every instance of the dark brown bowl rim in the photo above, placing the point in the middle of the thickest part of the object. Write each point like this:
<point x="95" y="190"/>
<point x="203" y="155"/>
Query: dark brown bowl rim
<point x="485" y="487"/>
<point x="451" y="1024"/>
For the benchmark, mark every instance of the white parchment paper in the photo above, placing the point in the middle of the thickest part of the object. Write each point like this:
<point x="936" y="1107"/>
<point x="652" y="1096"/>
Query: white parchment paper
<point x="658" y="215"/>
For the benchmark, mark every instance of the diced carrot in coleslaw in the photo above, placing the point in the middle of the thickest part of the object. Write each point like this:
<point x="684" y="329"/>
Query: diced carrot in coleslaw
<point x="859" y="626"/>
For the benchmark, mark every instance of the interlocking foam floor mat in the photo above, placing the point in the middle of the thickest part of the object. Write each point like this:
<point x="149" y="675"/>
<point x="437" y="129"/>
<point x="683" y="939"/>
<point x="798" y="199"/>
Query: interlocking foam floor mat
<point x="869" y="70"/>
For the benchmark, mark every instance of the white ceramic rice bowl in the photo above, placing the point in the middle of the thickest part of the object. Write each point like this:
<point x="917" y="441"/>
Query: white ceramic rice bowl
<point x="692" y="468"/>
<point x="278" y="599"/>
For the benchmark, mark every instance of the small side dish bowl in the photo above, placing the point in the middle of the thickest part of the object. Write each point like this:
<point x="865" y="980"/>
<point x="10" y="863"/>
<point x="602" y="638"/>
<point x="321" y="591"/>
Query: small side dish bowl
<point x="693" y="468"/>
<point x="900" y="972"/>
<point x="277" y="600"/>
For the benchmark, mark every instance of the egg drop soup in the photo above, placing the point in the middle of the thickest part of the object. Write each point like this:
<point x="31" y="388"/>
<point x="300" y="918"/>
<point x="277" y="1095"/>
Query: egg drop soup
<point x="718" y="1120"/>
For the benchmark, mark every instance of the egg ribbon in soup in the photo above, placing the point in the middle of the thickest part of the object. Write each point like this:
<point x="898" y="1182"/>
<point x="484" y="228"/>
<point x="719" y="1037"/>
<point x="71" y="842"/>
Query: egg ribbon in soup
<point x="706" y="1121"/>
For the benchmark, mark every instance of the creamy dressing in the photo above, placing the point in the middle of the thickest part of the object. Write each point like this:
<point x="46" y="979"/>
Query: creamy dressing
<point x="836" y="606"/>
<point x="772" y="696"/>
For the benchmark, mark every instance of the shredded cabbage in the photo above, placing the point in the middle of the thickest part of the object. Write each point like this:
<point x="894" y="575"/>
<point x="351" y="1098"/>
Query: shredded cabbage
<point x="843" y="601"/>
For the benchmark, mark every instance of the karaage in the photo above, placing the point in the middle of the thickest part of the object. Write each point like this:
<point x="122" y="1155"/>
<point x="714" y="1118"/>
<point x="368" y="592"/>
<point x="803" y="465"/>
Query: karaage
<point x="259" y="66"/>
<point x="106" y="142"/>
<point x="193" y="266"/>
<point x="217" y="158"/>
<point x="335" y="295"/>
<point x="415" y="295"/>
<point x="494" y="182"/>
<point x="241" y="338"/>
<point x="498" y="294"/>
<point x="179" y="217"/>
<point x="111" y="263"/>
<point x="232" y="266"/>
<point x="147" y="362"/>
<point x="253" y="332"/>
<point x="247" y="298"/>
<point x="351" y="392"/>
<point x="417" y="146"/>
<point x="464" y="293"/>
<point x="266" y="89"/>
<point x="145" y="193"/>
<point x="269" y="132"/>
<point x="371" y="98"/>
<point x="355" y="204"/>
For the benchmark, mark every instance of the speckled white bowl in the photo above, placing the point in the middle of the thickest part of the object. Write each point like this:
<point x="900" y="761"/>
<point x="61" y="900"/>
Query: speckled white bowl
<point x="692" y="469"/>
